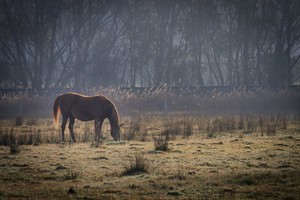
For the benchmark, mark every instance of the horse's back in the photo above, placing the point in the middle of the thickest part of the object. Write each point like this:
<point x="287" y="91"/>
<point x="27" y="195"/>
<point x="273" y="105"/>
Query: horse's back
<point x="66" y="101"/>
<point x="73" y="94"/>
<point x="82" y="96"/>
<point x="84" y="107"/>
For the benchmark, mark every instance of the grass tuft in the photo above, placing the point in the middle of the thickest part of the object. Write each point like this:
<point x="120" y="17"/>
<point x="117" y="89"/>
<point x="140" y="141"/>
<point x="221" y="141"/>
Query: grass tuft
<point x="72" y="175"/>
<point x="14" y="148"/>
<point x="133" y="131"/>
<point x="13" y="144"/>
<point x="6" y="135"/>
<point x="19" y="120"/>
<point x="137" y="165"/>
<point x="161" y="143"/>
<point x="187" y="128"/>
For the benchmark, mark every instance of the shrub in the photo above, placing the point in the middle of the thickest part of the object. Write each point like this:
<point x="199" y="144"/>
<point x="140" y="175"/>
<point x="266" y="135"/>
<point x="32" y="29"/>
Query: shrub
<point x="33" y="138"/>
<point x="241" y="123"/>
<point x="6" y="136"/>
<point x="137" y="165"/>
<point x="143" y="136"/>
<point x="162" y="142"/>
<point x="13" y="144"/>
<point x="133" y="131"/>
<point x="211" y="129"/>
<point x="14" y="148"/>
<point x="72" y="175"/>
<point x="32" y="121"/>
<point x="37" y="138"/>
<point x="271" y="128"/>
<point x="201" y="123"/>
<point x="250" y="125"/>
<point x="187" y="128"/>
<point x="171" y="129"/>
<point x="243" y="180"/>
<point x="19" y="120"/>
<point x="53" y="137"/>
<point x="23" y="139"/>
<point x="282" y="122"/>
<point x="180" y="175"/>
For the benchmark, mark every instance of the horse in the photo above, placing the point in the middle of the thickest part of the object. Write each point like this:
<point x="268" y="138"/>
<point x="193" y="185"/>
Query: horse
<point x="86" y="108"/>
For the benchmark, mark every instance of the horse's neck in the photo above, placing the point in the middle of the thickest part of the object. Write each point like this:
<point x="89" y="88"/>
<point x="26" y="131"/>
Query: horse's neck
<point x="113" y="118"/>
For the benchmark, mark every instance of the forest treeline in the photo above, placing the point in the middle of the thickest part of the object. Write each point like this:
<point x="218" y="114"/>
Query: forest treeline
<point x="91" y="43"/>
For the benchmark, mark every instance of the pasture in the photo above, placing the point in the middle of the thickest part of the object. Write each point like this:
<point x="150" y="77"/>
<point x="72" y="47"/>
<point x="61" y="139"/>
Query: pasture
<point x="217" y="157"/>
<point x="233" y="145"/>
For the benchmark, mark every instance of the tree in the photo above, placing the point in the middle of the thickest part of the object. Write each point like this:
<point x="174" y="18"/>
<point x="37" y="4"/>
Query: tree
<point x="83" y="44"/>
<point x="26" y="27"/>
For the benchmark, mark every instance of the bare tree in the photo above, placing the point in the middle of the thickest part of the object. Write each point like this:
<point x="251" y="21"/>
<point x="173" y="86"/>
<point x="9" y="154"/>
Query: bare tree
<point x="83" y="44"/>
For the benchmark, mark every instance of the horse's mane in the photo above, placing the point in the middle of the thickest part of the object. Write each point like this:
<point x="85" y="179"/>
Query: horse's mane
<point x="114" y="113"/>
<point x="82" y="95"/>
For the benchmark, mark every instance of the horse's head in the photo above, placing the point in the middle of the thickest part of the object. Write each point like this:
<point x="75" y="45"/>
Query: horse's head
<point x="115" y="132"/>
<point x="115" y="123"/>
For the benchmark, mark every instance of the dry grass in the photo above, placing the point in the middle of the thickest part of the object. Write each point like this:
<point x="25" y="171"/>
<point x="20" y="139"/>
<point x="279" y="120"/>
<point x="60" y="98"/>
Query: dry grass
<point x="161" y="142"/>
<point x="241" y="161"/>
<point x="138" y="164"/>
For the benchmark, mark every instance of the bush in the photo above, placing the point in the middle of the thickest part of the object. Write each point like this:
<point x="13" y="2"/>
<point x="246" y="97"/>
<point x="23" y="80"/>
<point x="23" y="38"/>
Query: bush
<point x="243" y="180"/>
<point x="24" y="139"/>
<point x="14" y="148"/>
<point x="271" y="128"/>
<point x="32" y="121"/>
<point x="180" y="175"/>
<point x="6" y="136"/>
<point x="13" y="144"/>
<point x="162" y="142"/>
<point x="171" y="129"/>
<point x="133" y="131"/>
<point x="19" y="120"/>
<point x="37" y="137"/>
<point x="137" y="165"/>
<point x="71" y="175"/>
<point x="187" y="128"/>
<point x="211" y="129"/>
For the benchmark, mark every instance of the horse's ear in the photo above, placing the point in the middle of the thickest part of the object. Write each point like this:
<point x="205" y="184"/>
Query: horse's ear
<point x="121" y="125"/>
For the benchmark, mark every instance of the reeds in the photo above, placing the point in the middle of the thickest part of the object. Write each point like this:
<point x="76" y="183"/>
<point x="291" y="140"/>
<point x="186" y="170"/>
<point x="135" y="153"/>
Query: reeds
<point x="162" y="99"/>
<point x="133" y="132"/>
<point x="159" y="128"/>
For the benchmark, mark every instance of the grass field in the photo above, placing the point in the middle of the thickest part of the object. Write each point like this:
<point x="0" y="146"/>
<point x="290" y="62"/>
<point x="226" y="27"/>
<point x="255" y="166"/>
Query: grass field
<point x="221" y="157"/>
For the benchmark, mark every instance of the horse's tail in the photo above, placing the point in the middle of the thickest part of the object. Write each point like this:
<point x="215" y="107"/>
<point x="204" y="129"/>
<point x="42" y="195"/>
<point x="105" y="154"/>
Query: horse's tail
<point x="56" y="112"/>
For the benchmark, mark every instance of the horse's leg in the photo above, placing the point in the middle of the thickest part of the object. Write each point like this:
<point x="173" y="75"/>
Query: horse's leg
<point x="63" y="126"/>
<point x="97" y="123"/>
<point x="71" y="125"/>
<point x="98" y="126"/>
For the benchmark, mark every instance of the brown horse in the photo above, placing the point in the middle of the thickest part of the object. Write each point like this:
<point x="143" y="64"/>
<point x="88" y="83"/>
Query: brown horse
<point x="86" y="108"/>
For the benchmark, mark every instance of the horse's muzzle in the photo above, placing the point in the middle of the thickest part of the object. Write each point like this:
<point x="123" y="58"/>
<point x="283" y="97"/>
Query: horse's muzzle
<point x="117" y="138"/>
